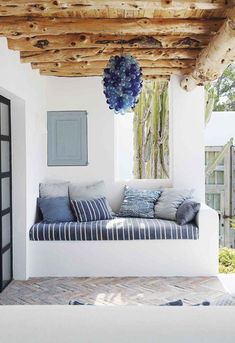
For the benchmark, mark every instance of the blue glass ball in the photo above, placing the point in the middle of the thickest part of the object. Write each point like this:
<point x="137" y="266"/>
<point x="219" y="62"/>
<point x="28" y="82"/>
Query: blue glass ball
<point x="122" y="83"/>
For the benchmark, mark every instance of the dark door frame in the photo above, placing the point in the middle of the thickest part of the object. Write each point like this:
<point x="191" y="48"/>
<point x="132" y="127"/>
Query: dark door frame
<point x="9" y="246"/>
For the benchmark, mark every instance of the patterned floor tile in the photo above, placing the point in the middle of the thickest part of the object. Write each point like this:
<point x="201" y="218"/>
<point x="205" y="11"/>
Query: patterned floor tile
<point x="113" y="291"/>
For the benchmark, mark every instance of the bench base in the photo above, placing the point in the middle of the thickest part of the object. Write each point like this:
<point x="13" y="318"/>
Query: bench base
<point x="122" y="258"/>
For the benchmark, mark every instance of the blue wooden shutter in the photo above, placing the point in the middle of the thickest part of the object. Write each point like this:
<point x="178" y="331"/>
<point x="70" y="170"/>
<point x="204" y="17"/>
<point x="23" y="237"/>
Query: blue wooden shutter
<point x="67" y="138"/>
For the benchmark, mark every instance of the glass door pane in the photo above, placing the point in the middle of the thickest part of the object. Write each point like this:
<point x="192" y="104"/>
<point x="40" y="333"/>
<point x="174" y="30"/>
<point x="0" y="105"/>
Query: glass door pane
<point x="5" y="195"/>
<point x="6" y="230"/>
<point x="5" y="156"/>
<point x="4" y="119"/>
<point x="6" y="267"/>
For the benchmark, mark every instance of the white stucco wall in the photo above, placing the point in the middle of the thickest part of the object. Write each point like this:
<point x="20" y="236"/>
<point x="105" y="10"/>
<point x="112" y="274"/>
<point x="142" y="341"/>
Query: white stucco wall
<point x="186" y="131"/>
<point x="25" y="89"/>
<point x="33" y="95"/>
<point x="187" y="113"/>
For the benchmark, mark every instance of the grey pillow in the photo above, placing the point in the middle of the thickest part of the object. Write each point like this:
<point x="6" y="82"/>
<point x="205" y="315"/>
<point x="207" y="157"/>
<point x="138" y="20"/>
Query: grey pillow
<point x="187" y="212"/>
<point x="169" y="202"/>
<point x="53" y="189"/>
<point x="81" y="191"/>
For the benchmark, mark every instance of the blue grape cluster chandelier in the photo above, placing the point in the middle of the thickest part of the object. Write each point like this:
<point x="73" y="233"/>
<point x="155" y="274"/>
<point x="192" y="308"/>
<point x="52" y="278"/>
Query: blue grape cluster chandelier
<point x="122" y="82"/>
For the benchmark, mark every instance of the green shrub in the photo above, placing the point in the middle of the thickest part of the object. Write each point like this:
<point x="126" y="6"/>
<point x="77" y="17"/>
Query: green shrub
<point x="227" y="260"/>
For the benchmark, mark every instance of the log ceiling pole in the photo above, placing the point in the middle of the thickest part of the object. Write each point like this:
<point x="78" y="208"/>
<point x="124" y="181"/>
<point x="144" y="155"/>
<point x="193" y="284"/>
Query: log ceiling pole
<point x="76" y="38"/>
<point x="29" y="27"/>
<point x="94" y="74"/>
<point x="102" y="64"/>
<point x="96" y="71"/>
<point x="71" y="41"/>
<point x="214" y="58"/>
<point x="94" y="54"/>
<point x="59" y="7"/>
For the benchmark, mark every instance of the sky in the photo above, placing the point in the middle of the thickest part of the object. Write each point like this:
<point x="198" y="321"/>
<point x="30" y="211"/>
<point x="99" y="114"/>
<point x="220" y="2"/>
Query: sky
<point x="220" y="128"/>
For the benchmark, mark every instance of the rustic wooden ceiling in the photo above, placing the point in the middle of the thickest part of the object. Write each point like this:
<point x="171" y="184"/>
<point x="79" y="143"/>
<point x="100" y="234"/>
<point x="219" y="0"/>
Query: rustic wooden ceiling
<point x="77" y="37"/>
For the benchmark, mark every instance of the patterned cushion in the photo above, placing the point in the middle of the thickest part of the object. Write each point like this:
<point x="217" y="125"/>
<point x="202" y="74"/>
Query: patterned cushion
<point x="56" y="210"/>
<point x="139" y="203"/>
<point x="91" y="210"/>
<point x="187" y="212"/>
<point x="169" y="201"/>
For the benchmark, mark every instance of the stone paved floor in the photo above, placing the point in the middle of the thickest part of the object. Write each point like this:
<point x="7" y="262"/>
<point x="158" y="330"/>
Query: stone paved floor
<point x="113" y="291"/>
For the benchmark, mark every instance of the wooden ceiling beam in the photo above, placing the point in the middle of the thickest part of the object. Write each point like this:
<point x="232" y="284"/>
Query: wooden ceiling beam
<point x="71" y="41"/>
<point x="94" y="54"/>
<point x="145" y="71"/>
<point x="29" y="26"/>
<point x="7" y="7"/>
<point x="214" y="58"/>
<point x="68" y="74"/>
<point x="102" y="64"/>
<point x="99" y="71"/>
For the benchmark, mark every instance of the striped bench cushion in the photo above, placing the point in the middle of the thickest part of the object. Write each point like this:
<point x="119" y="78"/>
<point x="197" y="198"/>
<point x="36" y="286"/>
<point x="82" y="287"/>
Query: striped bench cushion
<point x="114" y="229"/>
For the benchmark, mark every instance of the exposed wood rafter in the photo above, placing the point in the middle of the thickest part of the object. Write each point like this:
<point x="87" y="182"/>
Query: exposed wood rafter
<point x="71" y="7"/>
<point x="146" y="71"/>
<point x="71" y="41"/>
<point x="214" y="58"/>
<point x="77" y="37"/>
<point x="94" y="54"/>
<point x="187" y="64"/>
<point x="28" y="26"/>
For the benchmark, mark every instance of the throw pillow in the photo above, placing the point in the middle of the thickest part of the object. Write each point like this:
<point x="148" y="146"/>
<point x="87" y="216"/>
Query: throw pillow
<point x="139" y="203"/>
<point x="56" y="210"/>
<point x="169" y="202"/>
<point x="79" y="191"/>
<point x="91" y="210"/>
<point x="53" y="189"/>
<point x="187" y="212"/>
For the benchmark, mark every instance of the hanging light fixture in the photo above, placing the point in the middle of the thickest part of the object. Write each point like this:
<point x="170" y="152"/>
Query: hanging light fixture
<point x="122" y="81"/>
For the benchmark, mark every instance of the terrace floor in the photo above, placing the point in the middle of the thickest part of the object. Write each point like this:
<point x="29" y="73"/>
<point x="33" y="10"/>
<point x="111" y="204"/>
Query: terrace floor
<point x="119" y="291"/>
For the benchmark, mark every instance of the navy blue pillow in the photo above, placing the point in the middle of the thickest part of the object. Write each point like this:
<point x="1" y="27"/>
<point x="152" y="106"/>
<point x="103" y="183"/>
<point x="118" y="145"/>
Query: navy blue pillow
<point x="187" y="211"/>
<point x="56" y="210"/>
<point x="139" y="202"/>
<point x="91" y="210"/>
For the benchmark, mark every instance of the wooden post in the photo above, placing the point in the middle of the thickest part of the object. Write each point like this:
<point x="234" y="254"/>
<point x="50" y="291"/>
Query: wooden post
<point x="214" y="58"/>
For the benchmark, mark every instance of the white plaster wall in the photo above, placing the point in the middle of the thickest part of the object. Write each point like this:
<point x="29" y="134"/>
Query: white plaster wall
<point x="187" y="113"/>
<point x="186" y="130"/>
<point x="87" y="94"/>
<point x="25" y="88"/>
<point x="32" y="95"/>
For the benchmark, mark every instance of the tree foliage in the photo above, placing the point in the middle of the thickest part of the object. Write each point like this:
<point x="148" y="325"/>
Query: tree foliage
<point x="223" y="90"/>
<point x="227" y="260"/>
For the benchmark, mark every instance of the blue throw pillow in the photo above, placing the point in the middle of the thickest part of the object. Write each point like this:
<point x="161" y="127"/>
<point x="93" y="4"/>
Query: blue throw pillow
<point x="91" y="210"/>
<point x="139" y="203"/>
<point x="187" y="211"/>
<point x="56" y="210"/>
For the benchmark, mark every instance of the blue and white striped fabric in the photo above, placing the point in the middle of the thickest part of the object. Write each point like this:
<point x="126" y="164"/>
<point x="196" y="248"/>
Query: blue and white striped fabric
<point x="91" y="210"/>
<point x="113" y="230"/>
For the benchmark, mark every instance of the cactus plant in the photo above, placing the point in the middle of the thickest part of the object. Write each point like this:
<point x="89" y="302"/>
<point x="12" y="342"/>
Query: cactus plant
<point x="151" y="131"/>
<point x="210" y="96"/>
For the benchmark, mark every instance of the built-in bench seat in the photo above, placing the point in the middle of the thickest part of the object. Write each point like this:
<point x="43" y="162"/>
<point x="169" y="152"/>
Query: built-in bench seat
<point x="117" y="229"/>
